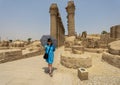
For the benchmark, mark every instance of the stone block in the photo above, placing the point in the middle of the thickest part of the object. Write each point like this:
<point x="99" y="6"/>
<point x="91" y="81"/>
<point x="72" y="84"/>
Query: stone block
<point x="77" y="49"/>
<point x="83" y="74"/>
<point x="114" y="47"/>
<point x="68" y="49"/>
<point x="75" y="61"/>
<point x="111" y="59"/>
<point x="10" y="55"/>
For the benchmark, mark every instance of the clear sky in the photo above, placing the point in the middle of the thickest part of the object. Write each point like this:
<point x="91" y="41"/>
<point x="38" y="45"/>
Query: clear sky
<point x="23" y="19"/>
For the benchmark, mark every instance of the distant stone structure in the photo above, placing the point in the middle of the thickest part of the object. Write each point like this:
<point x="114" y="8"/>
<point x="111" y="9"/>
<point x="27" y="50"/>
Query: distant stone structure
<point x="56" y="26"/>
<point x="71" y="21"/>
<point x="115" y="32"/>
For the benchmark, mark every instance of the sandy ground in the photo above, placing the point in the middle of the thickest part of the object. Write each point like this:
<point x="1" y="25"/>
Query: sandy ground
<point x="31" y="71"/>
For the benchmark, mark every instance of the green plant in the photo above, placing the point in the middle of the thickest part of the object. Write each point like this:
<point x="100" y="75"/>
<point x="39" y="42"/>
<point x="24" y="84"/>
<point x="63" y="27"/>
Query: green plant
<point x="29" y="40"/>
<point x="104" y="32"/>
<point x="10" y="41"/>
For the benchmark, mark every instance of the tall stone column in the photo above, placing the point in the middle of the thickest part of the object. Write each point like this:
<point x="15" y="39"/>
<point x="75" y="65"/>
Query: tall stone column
<point x="58" y="30"/>
<point x="71" y="21"/>
<point x="53" y="20"/>
<point x="115" y="32"/>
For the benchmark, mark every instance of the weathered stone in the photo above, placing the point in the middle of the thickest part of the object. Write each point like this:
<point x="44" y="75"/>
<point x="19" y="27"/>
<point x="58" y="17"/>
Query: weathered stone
<point x="115" y="32"/>
<point x="114" y="47"/>
<point x="95" y="50"/>
<point x="4" y="44"/>
<point x="79" y="43"/>
<point x="71" y="60"/>
<point x="57" y="30"/>
<point x="77" y="49"/>
<point x="36" y="45"/>
<point x="80" y="48"/>
<point x="71" y="22"/>
<point x="89" y="43"/>
<point x="83" y="74"/>
<point x="69" y="41"/>
<point x="9" y="55"/>
<point x="68" y="49"/>
<point x="18" y="43"/>
<point x="111" y="59"/>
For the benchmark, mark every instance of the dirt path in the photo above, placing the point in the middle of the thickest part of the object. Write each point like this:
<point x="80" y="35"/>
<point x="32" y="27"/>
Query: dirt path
<point x="31" y="71"/>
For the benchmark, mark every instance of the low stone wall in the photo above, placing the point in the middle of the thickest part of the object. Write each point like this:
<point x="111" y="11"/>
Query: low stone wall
<point x="114" y="52"/>
<point x="114" y="47"/>
<point x="71" y="60"/>
<point x="10" y="55"/>
<point x="32" y="53"/>
<point x="95" y="50"/>
<point x="68" y="49"/>
<point x="77" y="49"/>
<point x="2" y="48"/>
<point x="111" y="59"/>
<point x="15" y="54"/>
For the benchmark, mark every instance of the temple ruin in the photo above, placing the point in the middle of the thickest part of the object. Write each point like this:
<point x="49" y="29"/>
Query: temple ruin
<point x="71" y="21"/>
<point x="115" y="32"/>
<point x="56" y="26"/>
<point x="57" y="30"/>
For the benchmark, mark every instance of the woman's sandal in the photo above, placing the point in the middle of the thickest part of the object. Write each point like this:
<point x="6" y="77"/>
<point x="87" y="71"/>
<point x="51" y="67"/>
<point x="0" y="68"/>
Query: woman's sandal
<point x="51" y="75"/>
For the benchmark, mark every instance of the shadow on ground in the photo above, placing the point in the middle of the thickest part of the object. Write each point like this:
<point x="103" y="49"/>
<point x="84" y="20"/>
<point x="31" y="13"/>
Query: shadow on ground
<point x="46" y="69"/>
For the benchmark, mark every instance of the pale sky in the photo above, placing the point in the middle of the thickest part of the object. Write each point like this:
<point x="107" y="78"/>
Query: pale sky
<point x="23" y="19"/>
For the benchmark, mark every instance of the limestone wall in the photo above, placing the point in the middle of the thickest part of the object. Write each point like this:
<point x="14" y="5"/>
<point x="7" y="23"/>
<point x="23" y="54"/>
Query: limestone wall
<point x="15" y="54"/>
<point x="10" y="55"/>
<point x="114" y="47"/>
<point x="31" y="54"/>
<point x="111" y="59"/>
<point x="113" y="54"/>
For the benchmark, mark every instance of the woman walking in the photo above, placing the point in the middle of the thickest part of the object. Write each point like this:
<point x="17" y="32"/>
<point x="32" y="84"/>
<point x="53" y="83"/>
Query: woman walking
<point x="50" y="48"/>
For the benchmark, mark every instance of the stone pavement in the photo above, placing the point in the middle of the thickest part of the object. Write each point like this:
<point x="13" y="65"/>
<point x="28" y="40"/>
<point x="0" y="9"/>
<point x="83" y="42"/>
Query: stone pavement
<point x="31" y="71"/>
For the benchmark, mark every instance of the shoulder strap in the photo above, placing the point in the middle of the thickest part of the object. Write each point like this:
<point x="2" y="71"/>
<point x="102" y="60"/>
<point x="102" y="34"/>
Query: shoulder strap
<point x="49" y="49"/>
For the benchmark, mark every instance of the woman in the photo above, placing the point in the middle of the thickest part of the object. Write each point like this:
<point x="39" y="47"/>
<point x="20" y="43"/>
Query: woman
<point x="50" y="48"/>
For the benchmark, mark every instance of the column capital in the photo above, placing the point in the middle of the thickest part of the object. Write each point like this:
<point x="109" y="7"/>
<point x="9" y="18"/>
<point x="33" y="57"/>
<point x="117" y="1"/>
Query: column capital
<point x="53" y="9"/>
<point x="70" y="7"/>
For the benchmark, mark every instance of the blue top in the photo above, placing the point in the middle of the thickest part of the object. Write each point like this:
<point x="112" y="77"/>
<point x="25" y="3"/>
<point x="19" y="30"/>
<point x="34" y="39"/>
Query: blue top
<point x="51" y="53"/>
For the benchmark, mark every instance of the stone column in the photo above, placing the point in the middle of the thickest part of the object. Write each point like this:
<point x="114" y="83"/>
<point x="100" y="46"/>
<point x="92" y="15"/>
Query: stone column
<point x="118" y="32"/>
<point x="115" y="32"/>
<point x="53" y="20"/>
<point x="71" y="22"/>
<point x="58" y="37"/>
